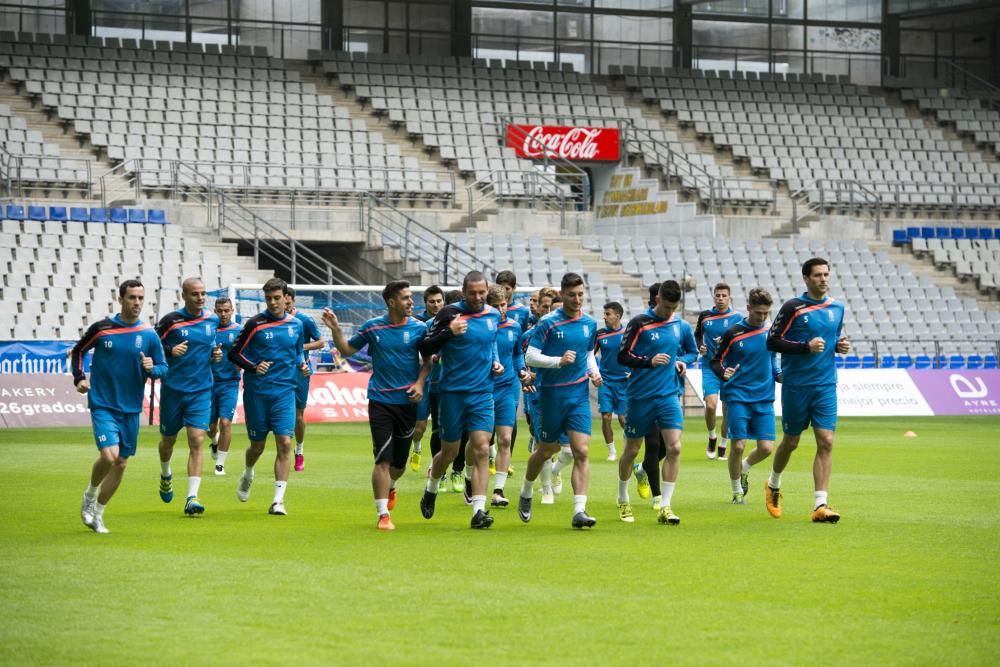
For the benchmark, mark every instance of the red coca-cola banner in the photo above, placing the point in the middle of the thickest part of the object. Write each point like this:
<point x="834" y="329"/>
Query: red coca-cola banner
<point x="567" y="143"/>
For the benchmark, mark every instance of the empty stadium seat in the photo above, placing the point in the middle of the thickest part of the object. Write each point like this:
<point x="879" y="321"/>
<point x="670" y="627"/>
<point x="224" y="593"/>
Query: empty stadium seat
<point x="157" y="216"/>
<point x="78" y="214"/>
<point x="119" y="215"/>
<point x="136" y="215"/>
<point x="15" y="212"/>
<point x="57" y="213"/>
<point x="98" y="215"/>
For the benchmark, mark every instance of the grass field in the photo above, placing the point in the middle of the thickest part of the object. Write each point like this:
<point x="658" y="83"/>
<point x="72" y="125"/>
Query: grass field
<point x="908" y="576"/>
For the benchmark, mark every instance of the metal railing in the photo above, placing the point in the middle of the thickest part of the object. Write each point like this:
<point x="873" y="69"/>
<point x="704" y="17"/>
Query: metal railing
<point x="73" y="176"/>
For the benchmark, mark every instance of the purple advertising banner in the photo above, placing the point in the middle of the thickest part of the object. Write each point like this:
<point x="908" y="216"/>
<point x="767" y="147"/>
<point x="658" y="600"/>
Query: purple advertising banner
<point x="960" y="392"/>
<point x="41" y="400"/>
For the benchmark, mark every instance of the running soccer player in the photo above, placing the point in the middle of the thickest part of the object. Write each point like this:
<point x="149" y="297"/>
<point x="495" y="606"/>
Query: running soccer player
<point x="433" y="388"/>
<point x="562" y="348"/>
<point x="807" y="333"/>
<point x="464" y="336"/>
<point x="611" y="397"/>
<point x="188" y="338"/>
<point x="126" y="352"/>
<point x="270" y="350"/>
<point x="533" y="310"/>
<point x="711" y="324"/>
<point x="657" y="345"/>
<point x="541" y="306"/>
<point x="433" y="303"/>
<point x="748" y="373"/>
<point x="517" y="313"/>
<point x="226" y="386"/>
<point x="313" y="340"/>
<point x="394" y="389"/>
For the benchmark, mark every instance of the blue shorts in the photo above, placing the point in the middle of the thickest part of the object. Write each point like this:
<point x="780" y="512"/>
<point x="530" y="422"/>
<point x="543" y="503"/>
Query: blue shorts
<point x="801" y="406"/>
<point x="112" y="428"/>
<point x="224" y="397"/>
<point x="643" y="414"/>
<point x="462" y="412"/>
<point x="561" y="413"/>
<point x="180" y="409"/>
<point x="612" y="397"/>
<point x="301" y="392"/>
<point x="505" y="404"/>
<point x="269" y="413"/>
<point x="750" y="421"/>
<point x="710" y="382"/>
<point x="424" y="406"/>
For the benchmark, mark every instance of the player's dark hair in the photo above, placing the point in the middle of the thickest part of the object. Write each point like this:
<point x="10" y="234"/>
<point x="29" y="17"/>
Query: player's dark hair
<point x="722" y="286"/>
<point x="127" y="285"/>
<point x="571" y="280"/>
<point x="274" y="285"/>
<point x="289" y="291"/>
<point x="670" y="291"/>
<point x="547" y="293"/>
<point x="432" y="290"/>
<point x="453" y="296"/>
<point x="506" y="278"/>
<point x="393" y="289"/>
<point x="654" y="291"/>
<point x="474" y="277"/>
<point x="615" y="306"/>
<point x="557" y="299"/>
<point x="759" y="297"/>
<point x="223" y="300"/>
<point x="807" y="268"/>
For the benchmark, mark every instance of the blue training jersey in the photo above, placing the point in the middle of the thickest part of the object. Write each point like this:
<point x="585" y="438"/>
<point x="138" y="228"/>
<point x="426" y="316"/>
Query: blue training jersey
<point x="646" y="336"/>
<point x="467" y="360"/>
<point x="522" y="346"/>
<point x="191" y="372"/>
<point x="799" y="321"/>
<point x="395" y="356"/>
<point x="606" y="349"/>
<point x="554" y="335"/>
<point x="268" y="338"/>
<point x="117" y="379"/>
<point x="310" y="332"/>
<point x="746" y="346"/>
<point x="519" y="313"/>
<point x="507" y="352"/>
<point x="225" y="371"/>
<point x="711" y="325"/>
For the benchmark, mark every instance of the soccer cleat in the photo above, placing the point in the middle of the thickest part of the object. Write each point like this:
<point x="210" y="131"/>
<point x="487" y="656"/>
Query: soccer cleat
<point x="215" y="451"/>
<point x="739" y="499"/>
<point x="193" y="506"/>
<point x="385" y="522"/>
<point x="220" y="470"/>
<point x="427" y="504"/>
<point x="457" y="482"/>
<point x="722" y="453"/>
<point x="710" y="450"/>
<point x="300" y="463"/>
<point x="392" y="500"/>
<point x="548" y="498"/>
<point x="467" y="491"/>
<point x="278" y="509"/>
<point x="823" y="514"/>
<point x="557" y="484"/>
<point x="656" y="503"/>
<point x="415" y="460"/>
<point x="612" y="457"/>
<point x="510" y="471"/>
<point x="583" y="520"/>
<point x="772" y="500"/>
<point x="667" y="517"/>
<point x="243" y="488"/>
<point x="444" y="486"/>
<point x="499" y="499"/>
<point x="745" y="482"/>
<point x="493" y="466"/>
<point x="625" y="513"/>
<point x="524" y="508"/>
<point x="166" y="488"/>
<point x="87" y="510"/>
<point x="97" y="525"/>
<point x="481" y="519"/>
<point x="642" y="479"/>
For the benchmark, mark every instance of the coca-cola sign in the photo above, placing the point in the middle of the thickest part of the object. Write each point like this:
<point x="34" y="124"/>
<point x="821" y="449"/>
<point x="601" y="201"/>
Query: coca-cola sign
<point x="567" y="143"/>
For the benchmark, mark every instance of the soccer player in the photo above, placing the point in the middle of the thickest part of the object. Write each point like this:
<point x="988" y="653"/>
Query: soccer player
<point x="748" y="373"/>
<point x="562" y="348"/>
<point x="464" y="336"/>
<point x="657" y="345"/>
<point x="394" y="389"/>
<point x="433" y="303"/>
<point x="542" y="305"/>
<point x="611" y="397"/>
<point x="188" y="338"/>
<point x="313" y="340"/>
<point x="226" y="387"/>
<point x="711" y="324"/>
<point x="126" y="352"/>
<point x="433" y="388"/>
<point x="807" y="333"/>
<point x="517" y="313"/>
<point x="534" y="312"/>
<point x="270" y="350"/>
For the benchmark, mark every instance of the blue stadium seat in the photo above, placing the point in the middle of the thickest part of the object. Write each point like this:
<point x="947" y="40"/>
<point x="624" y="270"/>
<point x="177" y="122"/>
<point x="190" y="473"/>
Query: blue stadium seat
<point x="119" y="215"/>
<point x="79" y="214"/>
<point x="973" y="361"/>
<point x="868" y="361"/>
<point x="852" y="361"/>
<point x="957" y="232"/>
<point x="15" y="212"/>
<point x="972" y="233"/>
<point x="57" y="213"/>
<point x="157" y="217"/>
<point x="943" y="232"/>
<point x="990" y="361"/>
<point x="904" y="361"/>
<point x="137" y="215"/>
<point x="927" y="232"/>
<point x="37" y="213"/>
<point x="956" y="361"/>
<point x="888" y="361"/>
<point x="941" y="361"/>
<point x="899" y="237"/>
<point x="987" y="233"/>
<point x="912" y="233"/>
<point x="98" y="215"/>
<point x="838" y="361"/>
<point x="922" y="361"/>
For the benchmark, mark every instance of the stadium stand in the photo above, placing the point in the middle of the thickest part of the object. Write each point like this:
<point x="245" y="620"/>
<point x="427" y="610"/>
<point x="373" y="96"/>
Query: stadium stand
<point x="39" y="161"/>
<point x="972" y="117"/>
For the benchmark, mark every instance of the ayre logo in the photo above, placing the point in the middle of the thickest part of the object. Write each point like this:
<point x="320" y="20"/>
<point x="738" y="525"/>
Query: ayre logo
<point x="965" y="388"/>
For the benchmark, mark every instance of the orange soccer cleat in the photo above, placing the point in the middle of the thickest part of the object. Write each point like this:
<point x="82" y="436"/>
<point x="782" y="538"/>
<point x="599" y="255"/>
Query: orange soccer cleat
<point x="385" y="522"/>
<point x="772" y="499"/>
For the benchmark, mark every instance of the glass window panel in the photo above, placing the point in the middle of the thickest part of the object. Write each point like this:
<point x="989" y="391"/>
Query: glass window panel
<point x="430" y="17"/>
<point x="846" y="10"/>
<point x="916" y="41"/>
<point x="788" y="36"/>
<point x="364" y="40"/>
<point x="364" y="13"/>
<point x="733" y="8"/>
<point x="651" y="5"/>
<point x="727" y="33"/>
<point x="573" y="26"/>
<point x="822" y="38"/>
<point x="789" y="9"/>
<point x="512" y="22"/>
<point x="633" y="29"/>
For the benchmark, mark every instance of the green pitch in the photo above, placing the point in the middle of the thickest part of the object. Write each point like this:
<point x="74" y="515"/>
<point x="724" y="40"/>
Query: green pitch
<point x="908" y="576"/>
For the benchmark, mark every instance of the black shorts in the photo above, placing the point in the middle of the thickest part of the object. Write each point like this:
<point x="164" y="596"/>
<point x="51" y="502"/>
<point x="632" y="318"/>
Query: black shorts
<point x="392" y="431"/>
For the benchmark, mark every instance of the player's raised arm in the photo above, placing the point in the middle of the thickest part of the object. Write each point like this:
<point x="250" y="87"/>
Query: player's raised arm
<point x="776" y="341"/>
<point x="346" y="347"/>
<point x="626" y="355"/>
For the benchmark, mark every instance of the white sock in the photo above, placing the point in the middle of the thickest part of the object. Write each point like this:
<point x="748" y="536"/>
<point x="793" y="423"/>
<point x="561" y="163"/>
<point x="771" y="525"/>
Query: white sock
<point x="565" y="459"/>
<point x="221" y="460"/>
<point x="774" y="481"/>
<point x="500" y="481"/>
<point x="193" y="484"/>
<point x="579" y="504"/>
<point x="215" y="439"/>
<point x="668" y="493"/>
<point x="298" y="447"/>
<point x="711" y="434"/>
<point x="432" y="484"/>
<point x="820" y="498"/>
<point x="724" y="442"/>
<point x="416" y="446"/>
<point x="737" y="487"/>
<point x="622" y="491"/>
<point x="91" y="492"/>
<point x="393" y="483"/>
<point x="611" y="447"/>
<point x="746" y="466"/>
<point x="493" y="451"/>
<point x="248" y="473"/>
<point x="279" y="491"/>
<point x="165" y="469"/>
<point x="478" y="504"/>
<point x="99" y="510"/>
<point x="468" y="471"/>
<point x="527" y="488"/>
<point x="546" y="476"/>
<point x="381" y="506"/>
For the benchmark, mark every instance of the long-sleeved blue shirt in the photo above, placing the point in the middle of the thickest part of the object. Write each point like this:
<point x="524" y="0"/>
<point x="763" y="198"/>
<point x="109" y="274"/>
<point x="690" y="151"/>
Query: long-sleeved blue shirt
<point x="191" y="372"/>
<point x="310" y="331"/>
<point x="508" y="353"/>
<point x="395" y="356"/>
<point x="225" y="371"/>
<point x="554" y="335"/>
<point x="268" y="338"/>
<point x="711" y="325"/>
<point x="519" y="313"/>
<point x="799" y="321"/>
<point x="466" y="360"/>
<point x="117" y="379"/>
<point x="606" y="349"/>
<point x="746" y="346"/>
<point x="647" y="335"/>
